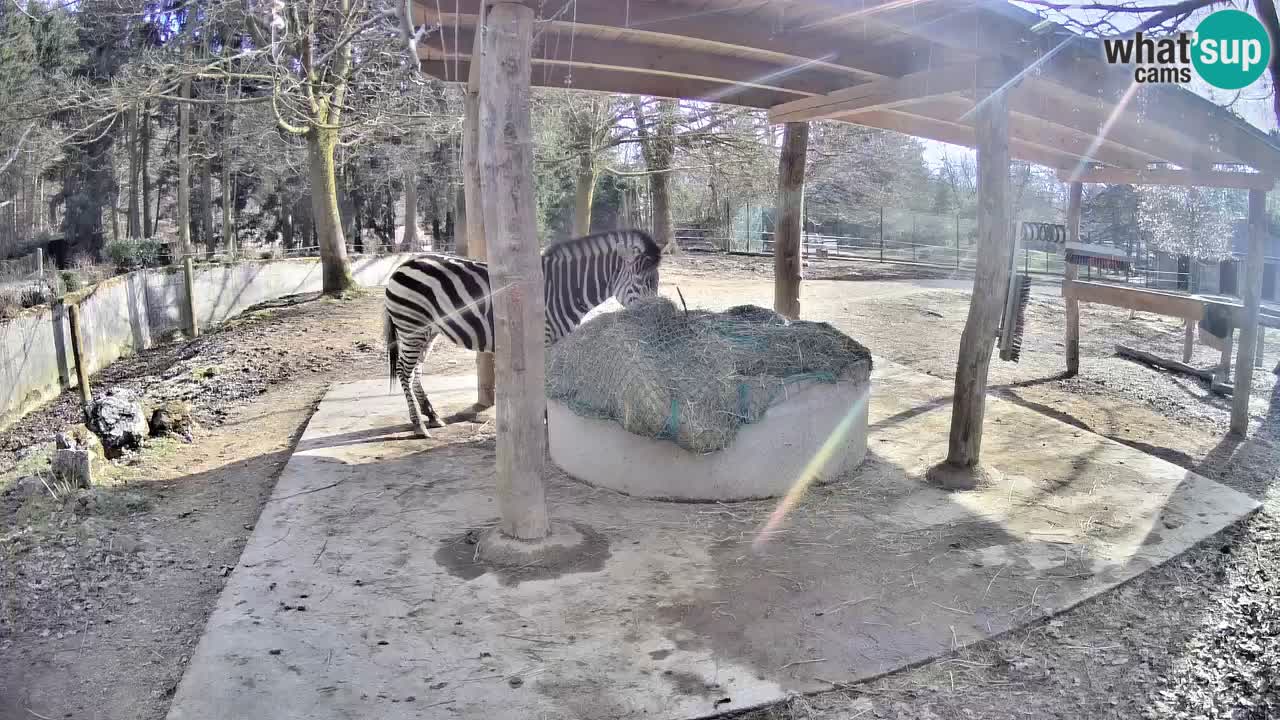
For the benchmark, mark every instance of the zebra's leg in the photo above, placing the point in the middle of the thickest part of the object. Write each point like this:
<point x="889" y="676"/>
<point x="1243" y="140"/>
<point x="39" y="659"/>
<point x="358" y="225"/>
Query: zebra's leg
<point x="433" y="420"/>
<point x="406" y="372"/>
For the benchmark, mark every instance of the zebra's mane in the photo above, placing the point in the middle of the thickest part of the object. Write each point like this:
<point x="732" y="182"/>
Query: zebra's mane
<point x="651" y="248"/>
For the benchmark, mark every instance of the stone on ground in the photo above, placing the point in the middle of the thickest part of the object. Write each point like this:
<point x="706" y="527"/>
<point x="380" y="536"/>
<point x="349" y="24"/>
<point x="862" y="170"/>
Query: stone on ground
<point x="118" y="419"/>
<point x="173" y="418"/>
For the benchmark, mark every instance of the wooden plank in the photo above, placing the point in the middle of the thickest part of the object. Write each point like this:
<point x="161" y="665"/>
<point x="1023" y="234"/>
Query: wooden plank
<point x="956" y="134"/>
<point x="506" y="184"/>
<point x="1156" y="360"/>
<point x="1181" y="178"/>
<point x="995" y="249"/>
<point x="790" y="222"/>
<point x="1043" y="132"/>
<point x="1251" y="294"/>
<point x="725" y="30"/>
<point x="795" y="75"/>
<point x="1142" y="300"/>
<point x="1072" y="340"/>
<point x="476" y="246"/>
<point x="878" y="95"/>
<point x="631" y="83"/>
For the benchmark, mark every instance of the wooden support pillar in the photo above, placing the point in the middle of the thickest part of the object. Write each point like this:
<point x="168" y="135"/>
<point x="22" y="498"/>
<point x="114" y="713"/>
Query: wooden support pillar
<point x="789" y="225"/>
<point x="77" y="354"/>
<point x="1075" y="199"/>
<point x="515" y="268"/>
<point x="1251" y="294"/>
<point x="1262" y="342"/>
<point x="994" y="253"/>
<point x="189" y="283"/>
<point x="1189" y="341"/>
<point x="475" y="244"/>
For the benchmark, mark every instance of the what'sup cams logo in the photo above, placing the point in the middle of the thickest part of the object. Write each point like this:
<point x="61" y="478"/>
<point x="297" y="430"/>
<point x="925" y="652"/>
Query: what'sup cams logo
<point x="1230" y="49"/>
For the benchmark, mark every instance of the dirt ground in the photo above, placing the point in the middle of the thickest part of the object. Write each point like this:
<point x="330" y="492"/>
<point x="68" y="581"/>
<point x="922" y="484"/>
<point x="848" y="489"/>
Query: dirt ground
<point x="103" y="594"/>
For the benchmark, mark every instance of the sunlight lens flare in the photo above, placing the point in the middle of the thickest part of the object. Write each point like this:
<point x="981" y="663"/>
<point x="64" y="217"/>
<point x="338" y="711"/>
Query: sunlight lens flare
<point x="820" y="459"/>
<point x="1105" y="130"/>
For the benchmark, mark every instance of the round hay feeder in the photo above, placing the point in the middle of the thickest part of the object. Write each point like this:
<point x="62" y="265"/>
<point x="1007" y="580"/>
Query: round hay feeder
<point x="660" y="403"/>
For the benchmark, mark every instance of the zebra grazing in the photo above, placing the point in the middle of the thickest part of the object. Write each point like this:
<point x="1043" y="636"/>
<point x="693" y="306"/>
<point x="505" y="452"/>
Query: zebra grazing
<point x="436" y="295"/>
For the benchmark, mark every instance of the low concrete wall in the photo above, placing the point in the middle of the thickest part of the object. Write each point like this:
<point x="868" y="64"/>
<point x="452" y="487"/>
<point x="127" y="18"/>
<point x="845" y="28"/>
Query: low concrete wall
<point x="764" y="460"/>
<point x="131" y="312"/>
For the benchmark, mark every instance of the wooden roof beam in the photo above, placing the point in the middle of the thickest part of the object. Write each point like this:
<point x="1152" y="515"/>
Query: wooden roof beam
<point x="625" y="56"/>
<point x="631" y="83"/>
<point x="878" y="95"/>
<point x="1039" y="130"/>
<point x="958" y="134"/>
<point x="1182" y="178"/>
<point x="727" y="30"/>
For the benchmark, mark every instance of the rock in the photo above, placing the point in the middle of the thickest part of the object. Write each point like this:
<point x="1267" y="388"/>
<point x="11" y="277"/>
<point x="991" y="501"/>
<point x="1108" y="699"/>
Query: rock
<point x="173" y="418"/>
<point x="27" y="486"/>
<point x="74" y="467"/>
<point x="118" y="419"/>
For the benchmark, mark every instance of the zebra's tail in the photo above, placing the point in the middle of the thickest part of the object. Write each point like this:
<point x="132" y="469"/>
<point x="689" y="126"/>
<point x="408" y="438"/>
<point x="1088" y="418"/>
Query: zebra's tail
<point x="393" y="347"/>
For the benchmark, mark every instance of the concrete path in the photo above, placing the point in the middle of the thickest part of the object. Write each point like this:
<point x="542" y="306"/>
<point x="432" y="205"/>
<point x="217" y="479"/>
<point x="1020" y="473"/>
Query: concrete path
<point x="359" y="594"/>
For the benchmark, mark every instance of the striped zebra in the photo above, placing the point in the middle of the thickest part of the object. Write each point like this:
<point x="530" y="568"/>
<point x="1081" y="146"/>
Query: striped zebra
<point x="436" y="295"/>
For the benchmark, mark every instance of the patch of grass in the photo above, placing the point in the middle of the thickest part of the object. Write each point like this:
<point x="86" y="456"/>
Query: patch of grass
<point x="35" y="462"/>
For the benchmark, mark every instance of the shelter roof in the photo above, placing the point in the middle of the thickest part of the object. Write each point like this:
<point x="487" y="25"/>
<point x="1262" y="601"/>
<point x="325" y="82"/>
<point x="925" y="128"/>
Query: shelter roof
<point x="904" y="65"/>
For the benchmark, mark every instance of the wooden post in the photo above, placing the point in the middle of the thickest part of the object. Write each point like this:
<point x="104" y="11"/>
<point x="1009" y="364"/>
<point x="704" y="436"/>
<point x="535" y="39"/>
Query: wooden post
<point x="1262" y="341"/>
<point x="77" y="354"/>
<point x="515" y="268"/>
<point x="1223" y="373"/>
<point x="189" y="276"/>
<point x="790" y="220"/>
<point x="991" y="278"/>
<point x="1075" y="199"/>
<point x="1251" y="293"/>
<point x="476" y="246"/>
<point x="1189" y="341"/>
<point x="40" y="263"/>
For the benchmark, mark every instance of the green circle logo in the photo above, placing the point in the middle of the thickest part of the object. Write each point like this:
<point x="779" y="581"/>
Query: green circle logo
<point x="1232" y="49"/>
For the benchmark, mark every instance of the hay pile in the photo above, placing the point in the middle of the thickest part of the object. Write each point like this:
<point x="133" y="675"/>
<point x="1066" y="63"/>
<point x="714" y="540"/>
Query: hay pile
<point x="694" y="377"/>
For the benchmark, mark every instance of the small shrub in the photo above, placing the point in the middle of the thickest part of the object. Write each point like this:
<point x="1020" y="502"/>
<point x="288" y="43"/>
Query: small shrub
<point x="71" y="280"/>
<point x="132" y="254"/>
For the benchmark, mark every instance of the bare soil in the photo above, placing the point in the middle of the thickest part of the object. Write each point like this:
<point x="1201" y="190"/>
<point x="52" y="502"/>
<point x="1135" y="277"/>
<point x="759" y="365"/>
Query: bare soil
<point x="104" y="593"/>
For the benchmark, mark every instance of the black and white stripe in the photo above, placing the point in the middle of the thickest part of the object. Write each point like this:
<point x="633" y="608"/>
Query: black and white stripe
<point x="436" y="295"/>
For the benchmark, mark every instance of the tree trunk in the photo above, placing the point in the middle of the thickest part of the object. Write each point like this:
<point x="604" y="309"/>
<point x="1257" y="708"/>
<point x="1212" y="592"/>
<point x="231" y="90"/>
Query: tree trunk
<point x="1251" y="294"/>
<point x="991" y="279"/>
<point x="228" y="203"/>
<point x="584" y="192"/>
<point x="506" y="170"/>
<point x="134" y="139"/>
<point x="206" y="207"/>
<point x="321" y="143"/>
<point x="148" y="221"/>
<point x="660" y="198"/>
<point x="410" y="237"/>
<point x="183" y="219"/>
<point x="476" y="244"/>
<point x="789" y="222"/>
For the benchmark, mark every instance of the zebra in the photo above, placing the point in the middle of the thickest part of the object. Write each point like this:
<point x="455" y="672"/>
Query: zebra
<point x="434" y="295"/>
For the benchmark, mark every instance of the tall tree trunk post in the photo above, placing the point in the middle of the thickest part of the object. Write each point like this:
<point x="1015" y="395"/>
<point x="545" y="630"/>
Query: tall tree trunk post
<point x="584" y="193"/>
<point x="790" y="220"/>
<point x="1251" y="293"/>
<point x="995" y="250"/>
<point x="476" y="245"/>
<point x="335" y="266"/>
<point x="1075" y="198"/>
<point x="506" y="167"/>
<point x="185" y="248"/>
<point x="410" y="239"/>
<point x="134" y="137"/>
<point x="228" y="203"/>
<point x="206" y="204"/>
<point x="148" y="221"/>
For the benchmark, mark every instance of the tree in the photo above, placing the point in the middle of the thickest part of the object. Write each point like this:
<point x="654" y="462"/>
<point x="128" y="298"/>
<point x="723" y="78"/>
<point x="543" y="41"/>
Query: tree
<point x="1197" y="222"/>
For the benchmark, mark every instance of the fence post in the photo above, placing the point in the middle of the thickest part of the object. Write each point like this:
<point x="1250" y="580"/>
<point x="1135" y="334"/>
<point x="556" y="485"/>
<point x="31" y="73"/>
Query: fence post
<point x="189" y="274"/>
<point x="913" y="237"/>
<point x="881" y="233"/>
<point x="40" y="263"/>
<point x="77" y="354"/>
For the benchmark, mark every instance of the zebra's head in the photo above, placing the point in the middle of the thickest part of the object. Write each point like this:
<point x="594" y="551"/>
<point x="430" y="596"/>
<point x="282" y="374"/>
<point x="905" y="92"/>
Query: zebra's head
<point x="638" y="277"/>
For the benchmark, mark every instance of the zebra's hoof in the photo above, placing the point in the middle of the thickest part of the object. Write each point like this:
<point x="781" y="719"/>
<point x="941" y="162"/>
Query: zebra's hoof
<point x="435" y="423"/>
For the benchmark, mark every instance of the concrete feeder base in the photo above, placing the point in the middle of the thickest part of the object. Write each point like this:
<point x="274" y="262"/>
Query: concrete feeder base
<point x="764" y="460"/>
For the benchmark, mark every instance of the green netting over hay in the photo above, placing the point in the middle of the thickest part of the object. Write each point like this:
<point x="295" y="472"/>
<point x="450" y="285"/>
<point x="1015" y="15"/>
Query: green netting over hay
<point x="694" y="377"/>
